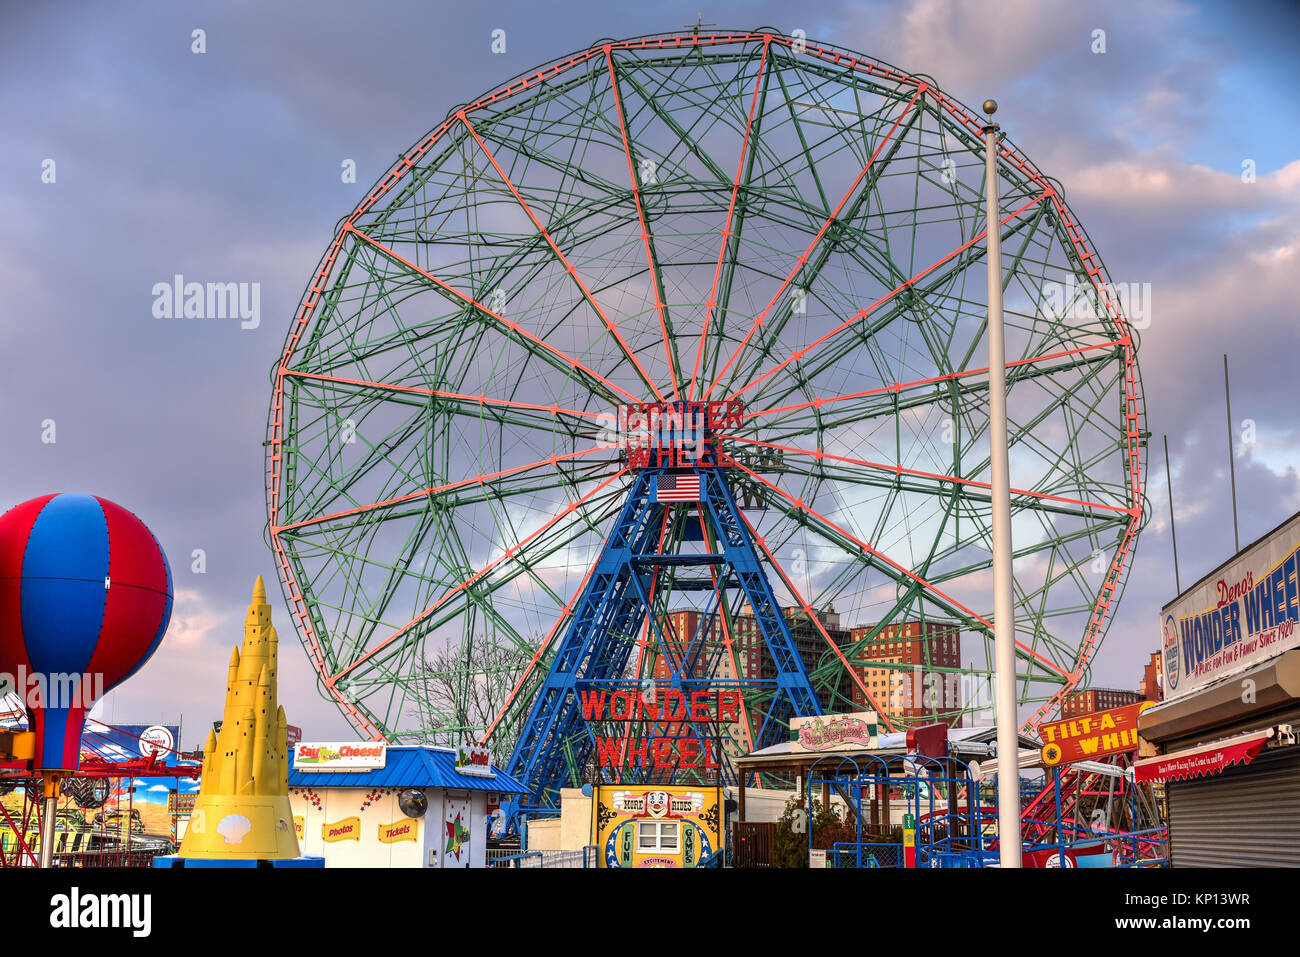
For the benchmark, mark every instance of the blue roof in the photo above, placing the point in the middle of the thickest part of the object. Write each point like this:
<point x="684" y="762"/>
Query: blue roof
<point x="408" y="767"/>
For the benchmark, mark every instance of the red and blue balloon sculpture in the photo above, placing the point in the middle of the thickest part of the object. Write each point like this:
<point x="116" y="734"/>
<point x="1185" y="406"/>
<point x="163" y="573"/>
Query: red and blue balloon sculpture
<point x="85" y="597"/>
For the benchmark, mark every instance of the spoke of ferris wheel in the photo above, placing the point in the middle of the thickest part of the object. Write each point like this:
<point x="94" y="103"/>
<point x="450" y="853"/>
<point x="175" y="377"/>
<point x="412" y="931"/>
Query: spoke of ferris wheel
<point x="1026" y="594"/>
<point x="1024" y="597"/>
<point x="480" y="479"/>
<point x="508" y="555"/>
<point x="811" y="614"/>
<point x="1024" y="431"/>
<point x="863" y="313"/>
<point x="1021" y="598"/>
<point x="802" y="506"/>
<point x="741" y="168"/>
<point x="568" y="266"/>
<point x="818" y="403"/>
<point x="482" y="399"/>
<point x="652" y="260"/>
<point x="899" y="469"/>
<point x="922" y="294"/>
<point x="514" y="327"/>
<point x="802" y="518"/>
<point x="802" y="261"/>
<point x="479" y="595"/>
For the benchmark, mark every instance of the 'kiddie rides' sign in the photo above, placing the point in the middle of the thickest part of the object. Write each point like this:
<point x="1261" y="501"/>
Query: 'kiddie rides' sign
<point x="1241" y="614"/>
<point x="669" y="719"/>
<point x="835" y="732"/>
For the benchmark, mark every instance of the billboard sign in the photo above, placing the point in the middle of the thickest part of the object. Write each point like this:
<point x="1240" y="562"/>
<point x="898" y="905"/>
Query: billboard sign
<point x="155" y="798"/>
<point x="158" y="741"/>
<point x="1237" y="617"/>
<point x="474" y="761"/>
<point x="835" y="732"/>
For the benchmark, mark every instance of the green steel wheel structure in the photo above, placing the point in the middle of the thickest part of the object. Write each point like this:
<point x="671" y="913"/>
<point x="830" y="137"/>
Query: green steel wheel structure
<point x="705" y="216"/>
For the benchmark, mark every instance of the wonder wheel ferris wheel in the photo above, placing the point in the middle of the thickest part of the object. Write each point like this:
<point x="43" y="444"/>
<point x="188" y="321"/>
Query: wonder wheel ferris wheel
<point x="782" y="239"/>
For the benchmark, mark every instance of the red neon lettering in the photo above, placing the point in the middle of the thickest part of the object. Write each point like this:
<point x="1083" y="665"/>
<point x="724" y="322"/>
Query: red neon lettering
<point x="648" y="710"/>
<point x="663" y="754"/>
<point x="593" y="704"/>
<point x="610" y="751"/>
<point x="728" y="704"/>
<point x="690" y="752"/>
<point x="709" y="763"/>
<point x="700" y="705"/>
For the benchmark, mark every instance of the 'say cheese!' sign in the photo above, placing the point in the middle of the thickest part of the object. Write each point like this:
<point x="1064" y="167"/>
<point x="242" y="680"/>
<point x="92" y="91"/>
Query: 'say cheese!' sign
<point x="1236" y="617"/>
<point x="349" y="756"/>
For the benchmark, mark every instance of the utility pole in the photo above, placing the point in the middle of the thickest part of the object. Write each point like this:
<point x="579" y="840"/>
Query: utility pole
<point x="1173" y="533"/>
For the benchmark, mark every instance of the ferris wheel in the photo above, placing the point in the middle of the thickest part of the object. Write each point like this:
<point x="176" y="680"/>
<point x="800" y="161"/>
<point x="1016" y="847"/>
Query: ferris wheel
<point x="786" y="232"/>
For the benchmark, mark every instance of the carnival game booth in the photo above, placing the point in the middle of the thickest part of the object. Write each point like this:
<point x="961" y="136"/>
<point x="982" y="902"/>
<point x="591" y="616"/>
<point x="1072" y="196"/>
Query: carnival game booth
<point x="1222" y="742"/>
<point x="364" y="804"/>
<point x="657" y="826"/>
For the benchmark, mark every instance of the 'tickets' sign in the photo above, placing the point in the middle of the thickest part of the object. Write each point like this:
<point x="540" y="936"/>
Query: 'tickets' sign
<point x="1091" y="736"/>
<point x="1244" y="613"/>
<point x="404" y="830"/>
<point x="359" y="756"/>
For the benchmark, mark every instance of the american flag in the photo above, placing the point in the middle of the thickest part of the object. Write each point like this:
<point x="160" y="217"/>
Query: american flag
<point x="678" y="488"/>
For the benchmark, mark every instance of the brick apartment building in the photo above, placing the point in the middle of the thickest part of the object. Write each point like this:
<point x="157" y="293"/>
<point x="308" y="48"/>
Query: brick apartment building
<point x="1088" y="700"/>
<point x="1151" y="688"/>
<point x="913" y="661"/>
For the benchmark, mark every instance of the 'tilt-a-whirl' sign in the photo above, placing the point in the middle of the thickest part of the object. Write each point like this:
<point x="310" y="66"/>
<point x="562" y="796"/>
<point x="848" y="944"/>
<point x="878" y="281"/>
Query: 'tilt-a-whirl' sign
<point x="1091" y="736"/>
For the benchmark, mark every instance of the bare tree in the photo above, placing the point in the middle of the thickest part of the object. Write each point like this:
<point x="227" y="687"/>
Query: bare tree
<point x="466" y="686"/>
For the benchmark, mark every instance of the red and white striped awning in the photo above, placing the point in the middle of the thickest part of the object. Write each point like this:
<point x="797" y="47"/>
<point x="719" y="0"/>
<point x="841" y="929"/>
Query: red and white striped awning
<point x="1204" y="760"/>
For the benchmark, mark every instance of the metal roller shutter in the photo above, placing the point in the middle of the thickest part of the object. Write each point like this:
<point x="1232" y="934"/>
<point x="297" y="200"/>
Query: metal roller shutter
<point x="1243" y="817"/>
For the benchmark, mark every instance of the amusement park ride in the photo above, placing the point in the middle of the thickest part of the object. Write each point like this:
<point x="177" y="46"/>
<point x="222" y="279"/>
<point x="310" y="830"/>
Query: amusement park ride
<point x="693" y="322"/>
<point x="85" y="599"/>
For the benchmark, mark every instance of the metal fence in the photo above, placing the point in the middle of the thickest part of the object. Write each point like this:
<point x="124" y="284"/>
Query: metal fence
<point x="512" y="857"/>
<point x="846" y="855"/>
<point x="82" y="847"/>
<point x="752" y="843"/>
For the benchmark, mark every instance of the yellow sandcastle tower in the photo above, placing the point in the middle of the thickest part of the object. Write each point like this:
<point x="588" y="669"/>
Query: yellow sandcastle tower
<point x="242" y="811"/>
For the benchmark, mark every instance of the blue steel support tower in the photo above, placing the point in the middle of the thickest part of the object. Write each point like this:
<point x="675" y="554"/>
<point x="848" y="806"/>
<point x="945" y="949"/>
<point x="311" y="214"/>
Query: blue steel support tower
<point x="556" y="741"/>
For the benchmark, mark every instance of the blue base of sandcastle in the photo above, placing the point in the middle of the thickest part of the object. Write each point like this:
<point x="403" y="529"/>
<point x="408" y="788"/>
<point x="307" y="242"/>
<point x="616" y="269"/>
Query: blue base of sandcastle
<point x="173" y="860"/>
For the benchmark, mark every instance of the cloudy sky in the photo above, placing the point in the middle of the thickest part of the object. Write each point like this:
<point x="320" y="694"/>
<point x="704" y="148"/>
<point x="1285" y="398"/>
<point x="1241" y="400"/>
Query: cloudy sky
<point x="1178" y="146"/>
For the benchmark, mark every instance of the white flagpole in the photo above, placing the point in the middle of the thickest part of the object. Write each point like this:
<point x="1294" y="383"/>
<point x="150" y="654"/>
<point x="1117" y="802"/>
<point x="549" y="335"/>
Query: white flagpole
<point x="1004" y="620"/>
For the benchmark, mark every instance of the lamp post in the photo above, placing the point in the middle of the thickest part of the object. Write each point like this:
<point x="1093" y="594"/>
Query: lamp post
<point x="1004" y="620"/>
